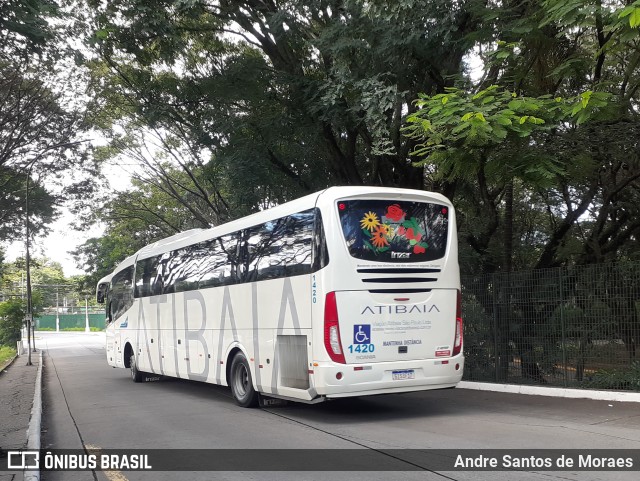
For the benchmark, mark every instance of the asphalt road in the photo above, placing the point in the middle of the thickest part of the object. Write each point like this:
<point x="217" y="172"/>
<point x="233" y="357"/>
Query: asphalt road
<point x="87" y="403"/>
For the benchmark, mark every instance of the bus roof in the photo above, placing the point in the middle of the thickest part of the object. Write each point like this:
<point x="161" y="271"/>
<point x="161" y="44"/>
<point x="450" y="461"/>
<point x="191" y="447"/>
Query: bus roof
<point x="194" y="236"/>
<point x="106" y="278"/>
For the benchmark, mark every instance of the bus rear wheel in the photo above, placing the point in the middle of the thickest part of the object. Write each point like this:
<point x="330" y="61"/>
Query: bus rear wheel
<point x="241" y="383"/>
<point x="136" y="375"/>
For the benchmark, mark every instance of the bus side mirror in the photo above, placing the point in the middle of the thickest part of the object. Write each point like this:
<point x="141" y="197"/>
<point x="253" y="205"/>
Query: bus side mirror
<point x="101" y="292"/>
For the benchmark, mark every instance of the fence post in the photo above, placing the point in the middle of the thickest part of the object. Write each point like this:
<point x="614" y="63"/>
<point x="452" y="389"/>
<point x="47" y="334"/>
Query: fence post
<point x="562" y="331"/>
<point x="496" y="355"/>
<point x="86" y="315"/>
<point x="57" y="312"/>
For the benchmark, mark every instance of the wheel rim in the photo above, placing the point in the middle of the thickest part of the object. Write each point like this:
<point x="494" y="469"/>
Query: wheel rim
<point x="241" y="380"/>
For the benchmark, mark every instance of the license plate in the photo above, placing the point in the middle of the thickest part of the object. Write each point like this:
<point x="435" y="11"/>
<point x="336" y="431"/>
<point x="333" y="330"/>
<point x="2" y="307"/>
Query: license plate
<point x="400" y="375"/>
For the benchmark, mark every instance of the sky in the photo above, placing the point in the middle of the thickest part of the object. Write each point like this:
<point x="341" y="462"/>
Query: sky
<point x="62" y="239"/>
<point x="57" y="245"/>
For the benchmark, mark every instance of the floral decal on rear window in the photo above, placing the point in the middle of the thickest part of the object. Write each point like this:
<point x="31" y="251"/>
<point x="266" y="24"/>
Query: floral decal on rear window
<point x="394" y="231"/>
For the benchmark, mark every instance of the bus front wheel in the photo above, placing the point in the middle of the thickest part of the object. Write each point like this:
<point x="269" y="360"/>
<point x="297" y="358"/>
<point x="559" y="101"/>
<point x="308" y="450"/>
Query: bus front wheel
<point x="136" y="375"/>
<point x="241" y="384"/>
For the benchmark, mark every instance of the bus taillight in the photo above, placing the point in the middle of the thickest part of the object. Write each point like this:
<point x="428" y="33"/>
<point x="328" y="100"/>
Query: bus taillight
<point x="457" y="342"/>
<point x="332" y="329"/>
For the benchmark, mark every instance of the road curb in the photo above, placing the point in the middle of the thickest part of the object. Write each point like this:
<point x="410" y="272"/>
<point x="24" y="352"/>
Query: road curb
<point x="615" y="396"/>
<point x="35" y="423"/>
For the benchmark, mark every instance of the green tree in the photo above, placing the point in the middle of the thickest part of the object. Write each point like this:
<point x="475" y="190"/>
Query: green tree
<point x="13" y="311"/>
<point x="255" y="103"/>
<point x="26" y="27"/>
<point x="468" y="142"/>
<point x="13" y="187"/>
<point x="470" y="138"/>
<point x="47" y="280"/>
<point x="12" y="315"/>
<point x="310" y="91"/>
<point x="41" y="118"/>
<point x="580" y="193"/>
<point x="250" y="104"/>
<point x="100" y="255"/>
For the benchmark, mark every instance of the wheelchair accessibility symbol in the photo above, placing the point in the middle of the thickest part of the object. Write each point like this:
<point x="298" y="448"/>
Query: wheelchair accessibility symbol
<point x="362" y="334"/>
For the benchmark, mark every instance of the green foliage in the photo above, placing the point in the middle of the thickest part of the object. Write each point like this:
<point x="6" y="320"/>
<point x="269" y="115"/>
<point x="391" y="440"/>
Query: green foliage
<point x="455" y="119"/>
<point x="583" y="13"/>
<point x="39" y="149"/>
<point x="623" y="378"/>
<point x="48" y="284"/>
<point x="460" y="120"/>
<point x="303" y="93"/>
<point x="454" y="129"/>
<point x="507" y="154"/>
<point x="100" y="256"/>
<point x="6" y="353"/>
<point x="26" y="26"/>
<point x="632" y="11"/>
<point x="42" y="209"/>
<point x="249" y="104"/>
<point x="12" y="314"/>
<point x="43" y="271"/>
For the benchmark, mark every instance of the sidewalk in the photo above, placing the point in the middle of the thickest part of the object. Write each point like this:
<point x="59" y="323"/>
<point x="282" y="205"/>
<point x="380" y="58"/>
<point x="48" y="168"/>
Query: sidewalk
<point x="17" y="387"/>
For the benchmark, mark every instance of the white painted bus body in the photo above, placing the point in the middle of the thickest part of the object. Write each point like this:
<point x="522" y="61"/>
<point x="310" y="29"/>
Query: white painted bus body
<point x="279" y="324"/>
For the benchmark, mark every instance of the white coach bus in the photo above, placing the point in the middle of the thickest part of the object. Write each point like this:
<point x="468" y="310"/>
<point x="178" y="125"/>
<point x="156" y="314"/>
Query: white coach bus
<point x="345" y="292"/>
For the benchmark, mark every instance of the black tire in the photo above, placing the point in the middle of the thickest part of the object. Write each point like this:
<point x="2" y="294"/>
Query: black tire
<point x="241" y="383"/>
<point x="136" y="375"/>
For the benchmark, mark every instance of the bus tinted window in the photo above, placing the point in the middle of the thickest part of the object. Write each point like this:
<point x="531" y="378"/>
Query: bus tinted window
<point x="206" y="264"/>
<point x="320" y="251"/>
<point x="210" y="264"/>
<point x="394" y="231"/>
<point x="279" y="248"/>
<point x="121" y="294"/>
<point x="146" y="284"/>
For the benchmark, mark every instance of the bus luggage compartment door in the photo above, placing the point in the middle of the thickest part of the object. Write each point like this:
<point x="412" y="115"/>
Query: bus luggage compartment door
<point x="393" y="327"/>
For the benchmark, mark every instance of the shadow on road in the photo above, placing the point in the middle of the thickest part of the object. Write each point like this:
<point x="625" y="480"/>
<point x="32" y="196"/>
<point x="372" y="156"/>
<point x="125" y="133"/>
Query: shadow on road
<point x="422" y="404"/>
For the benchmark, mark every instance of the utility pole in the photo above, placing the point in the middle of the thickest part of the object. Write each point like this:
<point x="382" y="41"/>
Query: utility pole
<point x="86" y="315"/>
<point x="57" y="311"/>
<point x="29" y="316"/>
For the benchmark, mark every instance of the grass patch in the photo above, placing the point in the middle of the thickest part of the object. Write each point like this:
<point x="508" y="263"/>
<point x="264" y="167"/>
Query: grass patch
<point x="6" y="353"/>
<point x="81" y="329"/>
<point x="67" y="329"/>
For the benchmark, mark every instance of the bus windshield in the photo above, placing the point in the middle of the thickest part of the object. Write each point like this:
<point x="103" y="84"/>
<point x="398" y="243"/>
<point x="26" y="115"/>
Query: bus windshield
<point x="394" y="231"/>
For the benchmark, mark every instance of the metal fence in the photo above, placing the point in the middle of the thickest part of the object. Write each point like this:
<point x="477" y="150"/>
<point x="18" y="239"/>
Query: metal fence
<point x="568" y="327"/>
<point x="69" y="321"/>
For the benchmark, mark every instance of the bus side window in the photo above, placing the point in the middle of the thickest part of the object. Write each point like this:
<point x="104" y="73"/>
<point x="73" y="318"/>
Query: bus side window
<point x="320" y="252"/>
<point x="278" y="248"/>
<point x="109" y="317"/>
<point x="121" y="293"/>
<point x="210" y="260"/>
<point x="298" y="236"/>
<point x="162" y="283"/>
<point x="230" y="244"/>
<point x="261" y="245"/>
<point x="145" y="273"/>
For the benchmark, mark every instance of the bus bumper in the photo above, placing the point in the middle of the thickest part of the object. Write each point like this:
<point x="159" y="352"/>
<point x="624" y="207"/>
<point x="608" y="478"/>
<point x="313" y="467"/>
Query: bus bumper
<point x="343" y="380"/>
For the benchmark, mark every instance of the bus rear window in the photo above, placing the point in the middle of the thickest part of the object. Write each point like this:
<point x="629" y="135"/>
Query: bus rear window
<point x="394" y="231"/>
